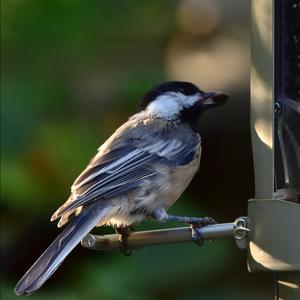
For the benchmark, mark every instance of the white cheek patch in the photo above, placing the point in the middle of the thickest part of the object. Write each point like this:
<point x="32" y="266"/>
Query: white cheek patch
<point x="164" y="106"/>
<point x="170" y="104"/>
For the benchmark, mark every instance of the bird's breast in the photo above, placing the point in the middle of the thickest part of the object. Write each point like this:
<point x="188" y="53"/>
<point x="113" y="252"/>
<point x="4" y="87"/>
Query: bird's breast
<point x="159" y="193"/>
<point x="177" y="180"/>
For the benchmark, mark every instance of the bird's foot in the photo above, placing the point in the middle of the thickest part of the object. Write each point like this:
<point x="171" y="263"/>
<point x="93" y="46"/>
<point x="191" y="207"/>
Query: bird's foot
<point x="196" y="225"/>
<point x="195" y="222"/>
<point x="124" y="232"/>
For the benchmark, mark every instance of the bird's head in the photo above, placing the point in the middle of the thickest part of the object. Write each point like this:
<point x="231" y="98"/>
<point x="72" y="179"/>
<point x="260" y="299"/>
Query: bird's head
<point x="178" y="100"/>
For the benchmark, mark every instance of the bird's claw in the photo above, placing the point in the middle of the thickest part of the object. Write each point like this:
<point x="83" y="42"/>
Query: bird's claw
<point x="196" y="236"/>
<point x="197" y="225"/>
<point x="124" y="233"/>
<point x="125" y="249"/>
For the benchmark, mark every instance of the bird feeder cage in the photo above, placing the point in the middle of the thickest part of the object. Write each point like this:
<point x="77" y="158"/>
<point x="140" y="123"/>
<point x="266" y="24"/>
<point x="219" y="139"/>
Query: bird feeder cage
<point x="274" y="214"/>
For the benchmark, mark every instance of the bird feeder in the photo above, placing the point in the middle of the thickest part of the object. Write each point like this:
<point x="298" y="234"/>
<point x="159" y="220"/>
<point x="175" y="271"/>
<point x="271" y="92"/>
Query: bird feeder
<point x="274" y="214"/>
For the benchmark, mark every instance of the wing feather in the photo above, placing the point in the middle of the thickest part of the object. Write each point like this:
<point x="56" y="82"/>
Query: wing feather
<point x="125" y="165"/>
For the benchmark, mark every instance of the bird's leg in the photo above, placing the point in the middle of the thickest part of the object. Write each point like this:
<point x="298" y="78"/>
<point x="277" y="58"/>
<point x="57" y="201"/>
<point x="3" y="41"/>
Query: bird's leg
<point x="124" y="232"/>
<point x="195" y="222"/>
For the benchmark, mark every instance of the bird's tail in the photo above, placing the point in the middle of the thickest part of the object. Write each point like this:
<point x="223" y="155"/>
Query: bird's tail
<point x="54" y="255"/>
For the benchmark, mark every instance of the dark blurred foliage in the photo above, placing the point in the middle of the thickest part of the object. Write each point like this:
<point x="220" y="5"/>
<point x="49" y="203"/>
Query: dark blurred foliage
<point x="72" y="72"/>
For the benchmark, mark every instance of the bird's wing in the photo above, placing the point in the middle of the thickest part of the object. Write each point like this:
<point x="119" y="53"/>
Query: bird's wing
<point x="123" y="168"/>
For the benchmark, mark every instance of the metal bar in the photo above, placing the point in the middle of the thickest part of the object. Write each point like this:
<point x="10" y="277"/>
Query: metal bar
<point x="157" y="237"/>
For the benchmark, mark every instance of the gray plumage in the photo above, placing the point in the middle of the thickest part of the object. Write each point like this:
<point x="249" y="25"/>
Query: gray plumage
<point x="132" y="174"/>
<point x="137" y="161"/>
<point x="139" y="172"/>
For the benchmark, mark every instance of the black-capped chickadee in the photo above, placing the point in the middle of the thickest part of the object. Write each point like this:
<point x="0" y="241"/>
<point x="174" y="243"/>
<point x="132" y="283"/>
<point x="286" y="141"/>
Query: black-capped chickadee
<point x="139" y="172"/>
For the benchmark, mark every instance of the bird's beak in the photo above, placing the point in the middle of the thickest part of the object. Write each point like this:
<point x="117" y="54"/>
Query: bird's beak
<point x="211" y="99"/>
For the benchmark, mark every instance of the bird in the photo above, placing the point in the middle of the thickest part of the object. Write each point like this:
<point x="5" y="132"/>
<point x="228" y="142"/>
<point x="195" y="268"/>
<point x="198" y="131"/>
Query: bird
<point x="137" y="174"/>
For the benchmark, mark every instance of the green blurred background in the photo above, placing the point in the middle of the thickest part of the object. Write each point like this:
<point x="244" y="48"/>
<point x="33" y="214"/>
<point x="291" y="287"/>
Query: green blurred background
<point x="72" y="72"/>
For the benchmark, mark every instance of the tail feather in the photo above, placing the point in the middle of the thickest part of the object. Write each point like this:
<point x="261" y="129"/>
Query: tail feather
<point x="55" y="254"/>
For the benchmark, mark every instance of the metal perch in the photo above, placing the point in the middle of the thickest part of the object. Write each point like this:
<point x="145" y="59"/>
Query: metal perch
<point x="237" y="230"/>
